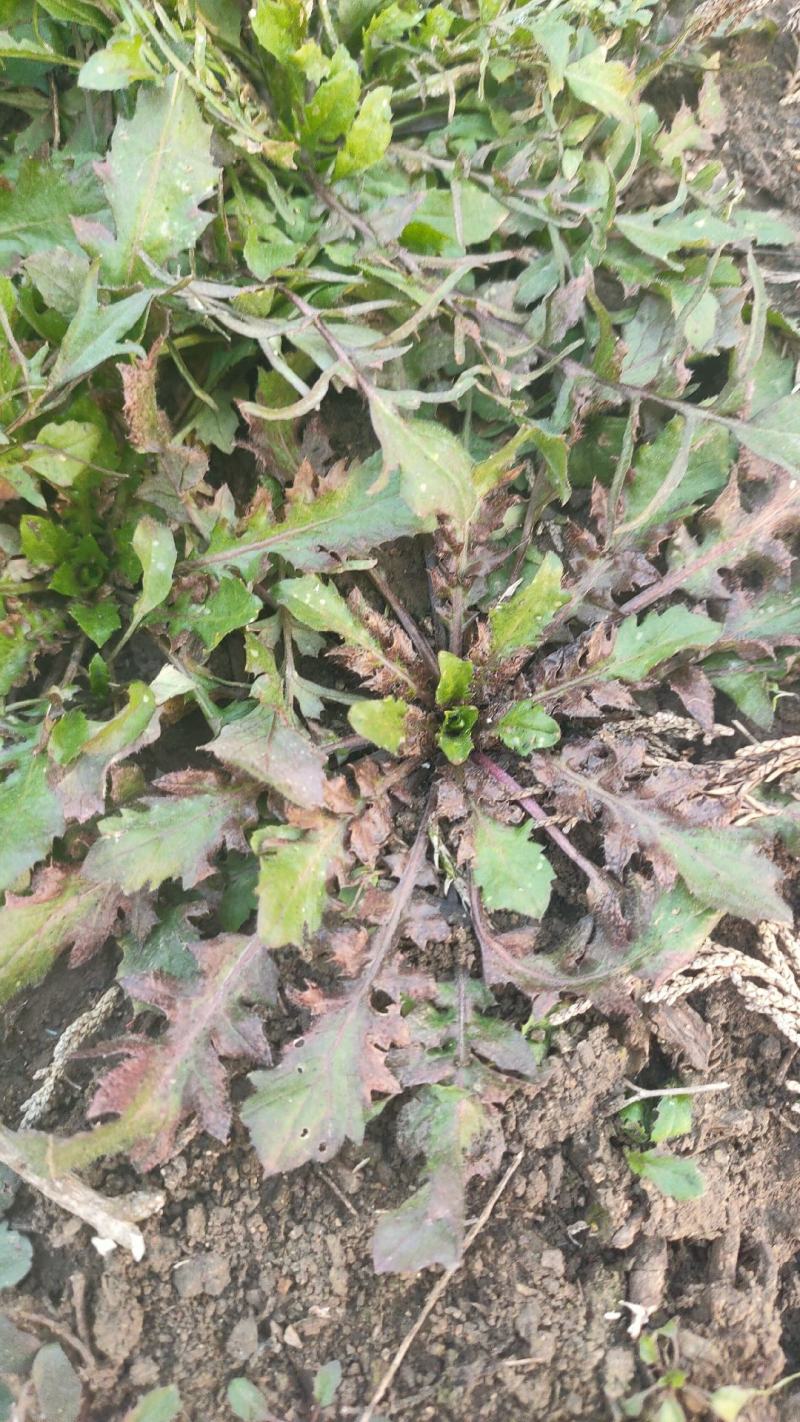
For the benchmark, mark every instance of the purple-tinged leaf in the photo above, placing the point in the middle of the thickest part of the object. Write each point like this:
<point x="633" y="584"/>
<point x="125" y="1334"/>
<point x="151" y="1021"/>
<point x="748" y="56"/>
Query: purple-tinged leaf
<point x="164" y="1081"/>
<point x="459" y="1137"/>
<point x="320" y="1094"/>
<point x="266" y="747"/>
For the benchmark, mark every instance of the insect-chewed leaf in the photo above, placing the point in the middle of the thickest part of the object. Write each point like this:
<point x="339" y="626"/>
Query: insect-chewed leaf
<point x="435" y="468"/>
<point x="264" y="746"/>
<point x="161" y="1082"/>
<point x="355" y="516"/>
<point x="382" y="722"/>
<point x="732" y="534"/>
<point x="30" y="818"/>
<point x="660" y="635"/>
<point x="321" y="606"/>
<point x="723" y="871"/>
<point x="63" y="911"/>
<point x="526" y="727"/>
<point x="521" y="619"/>
<point x="82" y="789"/>
<point x="158" y="170"/>
<point x="459" y="1138"/>
<point x="455" y="679"/>
<point x="306" y="1108"/>
<point x="168" y="838"/>
<point x="293" y="878"/>
<point x="511" y="870"/>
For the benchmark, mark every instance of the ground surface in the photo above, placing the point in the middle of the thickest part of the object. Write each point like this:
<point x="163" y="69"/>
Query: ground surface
<point x="275" y="1279"/>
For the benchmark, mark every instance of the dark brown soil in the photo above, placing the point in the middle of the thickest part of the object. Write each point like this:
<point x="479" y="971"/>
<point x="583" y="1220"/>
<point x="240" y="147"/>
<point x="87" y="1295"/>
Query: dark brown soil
<point x="273" y="1279"/>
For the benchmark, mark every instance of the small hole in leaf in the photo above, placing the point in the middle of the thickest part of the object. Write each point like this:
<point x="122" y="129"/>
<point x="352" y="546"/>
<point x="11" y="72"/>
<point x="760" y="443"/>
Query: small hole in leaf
<point x="304" y="1133"/>
<point x="322" y="1148"/>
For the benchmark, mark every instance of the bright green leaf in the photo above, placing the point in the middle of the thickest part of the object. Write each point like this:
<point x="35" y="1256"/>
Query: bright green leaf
<point x="230" y="606"/>
<point x="554" y="34"/>
<point x="330" y="112"/>
<point x="368" y="137"/>
<point x="641" y="646"/>
<point x="154" y="546"/>
<point x="246" y="1402"/>
<point x="455" y="679"/>
<point x="455" y="736"/>
<point x="68" y="736"/>
<point x="36" y="211"/>
<point x="774" y="433"/>
<point x="382" y="722"/>
<point x="519" y="620"/>
<point x="157" y="172"/>
<point x="673" y="1175"/>
<point x="279" y="26"/>
<point x="673" y="1118"/>
<point x="293" y="879"/>
<point x="117" y="66"/>
<point x="730" y="1401"/>
<point x="62" y="451"/>
<point x="95" y="332"/>
<point x="30" y="818"/>
<point x="436" y="228"/>
<point x="163" y="1404"/>
<point x="99" y="621"/>
<point x="82" y="788"/>
<point x="435" y="468"/>
<point x="321" y="606"/>
<point x="526" y="727"/>
<point x="511" y="870"/>
<point x="170" y="837"/>
<point x="352" y="518"/>
<point x="669" y="1409"/>
<point x="606" y="85"/>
